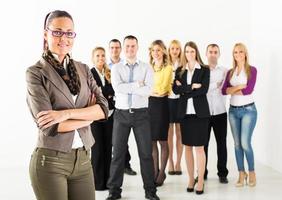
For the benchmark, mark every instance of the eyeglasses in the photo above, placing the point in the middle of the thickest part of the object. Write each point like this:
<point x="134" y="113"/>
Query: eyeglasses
<point x="69" y="34"/>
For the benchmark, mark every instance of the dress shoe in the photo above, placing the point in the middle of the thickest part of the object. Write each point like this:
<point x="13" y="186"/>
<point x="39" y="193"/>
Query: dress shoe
<point x="223" y="180"/>
<point x="243" y="177"/>
<point x="151" y="196"/>
<point x="171" y="172"/>
<point x="129" y="171"/>
<point x="178" y="172"/>
<point x="199" y="192"/>
<point x="192" y="188"/>
<point x="252" y="179"/>
<point x="113" y="196"/>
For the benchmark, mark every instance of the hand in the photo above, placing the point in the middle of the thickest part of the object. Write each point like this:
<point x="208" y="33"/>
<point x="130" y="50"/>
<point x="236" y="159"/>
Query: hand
<point x="196" y="85"/>
<point x="242" y="86"/>
<point x="92" y="100"/>
<point x="48" y="118"/>
<point x="177" y="82"/>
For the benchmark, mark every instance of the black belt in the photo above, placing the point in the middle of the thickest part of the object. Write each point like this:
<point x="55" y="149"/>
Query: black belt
<point x="133" y="110"/>
<point x="250" y="104"/>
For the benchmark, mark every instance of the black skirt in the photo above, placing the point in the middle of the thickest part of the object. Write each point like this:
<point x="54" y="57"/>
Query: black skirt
<point x="159" y="117"/>
<point x="194" y="130"/>
<point x="172" y="107"/>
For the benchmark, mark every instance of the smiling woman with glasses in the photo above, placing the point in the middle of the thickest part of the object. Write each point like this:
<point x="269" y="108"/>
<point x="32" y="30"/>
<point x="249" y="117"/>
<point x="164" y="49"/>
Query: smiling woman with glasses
<point x="64" y="100"/>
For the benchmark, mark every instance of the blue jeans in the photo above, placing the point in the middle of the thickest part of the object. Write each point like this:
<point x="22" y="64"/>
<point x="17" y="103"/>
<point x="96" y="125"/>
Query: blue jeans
<point x="242" y="122"/>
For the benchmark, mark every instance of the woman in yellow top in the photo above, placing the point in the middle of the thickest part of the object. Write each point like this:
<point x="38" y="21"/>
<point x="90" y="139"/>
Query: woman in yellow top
<point x="158" y="107"/>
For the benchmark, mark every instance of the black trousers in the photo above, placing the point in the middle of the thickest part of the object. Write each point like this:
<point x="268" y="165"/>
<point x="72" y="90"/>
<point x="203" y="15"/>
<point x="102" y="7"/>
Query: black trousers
<point x="127" y="158"/>
<point x="101" y="152"/>
<point x="219" y="125"/>
<point x="124" y="121"/>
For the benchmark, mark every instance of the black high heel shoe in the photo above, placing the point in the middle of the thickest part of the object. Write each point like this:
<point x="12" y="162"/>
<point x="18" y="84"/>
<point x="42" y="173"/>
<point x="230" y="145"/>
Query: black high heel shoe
<point x="191" y="189"/>
<point x="199" y="192"/>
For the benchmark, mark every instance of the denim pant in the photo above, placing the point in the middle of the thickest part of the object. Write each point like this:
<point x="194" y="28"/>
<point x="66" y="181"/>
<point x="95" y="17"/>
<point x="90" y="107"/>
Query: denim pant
<point x="242" y="122"/>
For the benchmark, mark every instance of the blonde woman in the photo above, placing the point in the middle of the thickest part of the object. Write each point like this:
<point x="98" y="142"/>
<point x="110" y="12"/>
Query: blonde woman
<point x="174" y="56"/>
<point x="158" y="107"/>
<point x="192" y="83"/>
<point x="102" y="130"/>
<point x="239" y="83"/>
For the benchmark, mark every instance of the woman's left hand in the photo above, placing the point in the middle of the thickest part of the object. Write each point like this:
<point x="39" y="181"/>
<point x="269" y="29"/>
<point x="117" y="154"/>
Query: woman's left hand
<point x="48" y="118"/>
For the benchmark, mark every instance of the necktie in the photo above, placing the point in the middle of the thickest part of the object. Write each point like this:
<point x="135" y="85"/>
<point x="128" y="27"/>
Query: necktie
<point x="131" y="67"/>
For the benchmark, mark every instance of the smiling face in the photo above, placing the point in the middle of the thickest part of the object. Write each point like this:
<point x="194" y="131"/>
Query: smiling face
<point x="59" y="45"/>
<point x="115" y="49"/>
<point x="239" y="54"/>
<point x="130" y="47"/>
<point x="190" y="54"/>
<point x="212" y="54"/>
<point x="174" y="51"/>
<point x="99" y="58"/>
<point x="157" y="53"/>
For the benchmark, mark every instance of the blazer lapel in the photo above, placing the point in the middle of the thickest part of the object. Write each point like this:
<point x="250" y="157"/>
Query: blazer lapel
<point x="50" y="73"/>
<point x="83" y="95"/>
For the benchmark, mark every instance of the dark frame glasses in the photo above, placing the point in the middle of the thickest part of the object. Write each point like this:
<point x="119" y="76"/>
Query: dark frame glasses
<point x="57" y="33"/>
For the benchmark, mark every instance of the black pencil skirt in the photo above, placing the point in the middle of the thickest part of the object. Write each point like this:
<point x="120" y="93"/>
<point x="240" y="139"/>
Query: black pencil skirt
<point x="172" y="107"/>
<point x="194" y="130"/>
<point x="159" y="117"/>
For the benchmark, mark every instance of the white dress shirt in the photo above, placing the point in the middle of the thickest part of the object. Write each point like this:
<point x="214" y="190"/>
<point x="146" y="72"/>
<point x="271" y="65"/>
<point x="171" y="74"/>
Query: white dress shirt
<point x="240" y="100"/>
<point x="190" y="110"/>
<point x="123" y="87"/>
<point x="215" y="98"/>
<point x="77" y="142"/>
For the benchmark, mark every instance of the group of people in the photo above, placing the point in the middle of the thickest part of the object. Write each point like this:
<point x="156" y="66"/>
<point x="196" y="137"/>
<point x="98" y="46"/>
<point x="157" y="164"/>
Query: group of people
<point x="174" y="96"/>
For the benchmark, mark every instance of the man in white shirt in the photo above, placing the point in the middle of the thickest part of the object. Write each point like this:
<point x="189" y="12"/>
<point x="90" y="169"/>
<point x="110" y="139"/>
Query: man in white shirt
<point x="115" y="50"/>
<point x="218" y="120"/>
<point x="132" y="81"/>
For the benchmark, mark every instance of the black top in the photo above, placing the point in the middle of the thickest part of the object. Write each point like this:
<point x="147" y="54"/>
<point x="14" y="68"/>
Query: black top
<point x="107" y="89"/>
<point x="200" y="101"/>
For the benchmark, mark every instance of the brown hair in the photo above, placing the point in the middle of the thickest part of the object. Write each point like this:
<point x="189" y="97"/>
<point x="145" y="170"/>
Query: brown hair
<point x="235" y="64"/>
<point x="164" y="50"/>
<point x="184" y="60"/>
<point x="49" y="18"/>
<point x="106" y="68"/>
<point x="213" y="45"/>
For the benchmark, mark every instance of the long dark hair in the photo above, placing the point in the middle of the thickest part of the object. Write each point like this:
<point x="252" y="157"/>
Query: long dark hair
<point x="48" y="19"/>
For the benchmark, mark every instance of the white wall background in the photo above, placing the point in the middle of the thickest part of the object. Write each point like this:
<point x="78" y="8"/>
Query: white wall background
<point x="256" y="23"/>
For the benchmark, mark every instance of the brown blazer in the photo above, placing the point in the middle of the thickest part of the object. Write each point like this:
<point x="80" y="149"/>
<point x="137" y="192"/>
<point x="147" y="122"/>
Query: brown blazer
<point x="46" y="90"/>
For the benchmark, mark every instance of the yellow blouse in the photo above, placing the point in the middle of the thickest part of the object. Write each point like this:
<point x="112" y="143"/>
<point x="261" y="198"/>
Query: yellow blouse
<point x="163" y="80"/>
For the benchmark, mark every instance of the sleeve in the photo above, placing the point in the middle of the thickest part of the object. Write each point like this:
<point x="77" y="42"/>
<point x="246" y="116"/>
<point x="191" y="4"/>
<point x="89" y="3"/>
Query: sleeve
<point x="205" y="85"/>
<point x="119" y="85"/>
<point x="184" y="88"/>
<point x="251" y="82"/>
<point x="226" y="83"/>
<point x="165" y="85"/>
<point x="145" y="90"/>
<point x="100" y="99"/>
<point x="38" y="98"/>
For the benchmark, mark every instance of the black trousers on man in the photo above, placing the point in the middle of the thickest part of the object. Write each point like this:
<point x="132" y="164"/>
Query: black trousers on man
<point x="124" y="121"/>
<point x="219" y="125"/>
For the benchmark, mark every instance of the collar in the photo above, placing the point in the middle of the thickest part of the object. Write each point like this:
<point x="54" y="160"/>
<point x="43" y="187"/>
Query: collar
<point x="65" y="61"/>
<point x="197" y="66"/>
<point x="97" y="70"/>
<point x="137" y="62"/>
